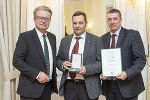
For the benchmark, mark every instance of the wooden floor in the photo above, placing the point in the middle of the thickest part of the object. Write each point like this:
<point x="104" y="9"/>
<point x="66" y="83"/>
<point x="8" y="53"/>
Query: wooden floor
<point x="57" y="97"/>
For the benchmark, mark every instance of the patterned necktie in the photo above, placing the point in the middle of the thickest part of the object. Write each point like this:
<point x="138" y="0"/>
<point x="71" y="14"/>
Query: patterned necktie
<point x="75" y="50"/>
<point x="46" y="55"/>
<point x="113" y="41"/>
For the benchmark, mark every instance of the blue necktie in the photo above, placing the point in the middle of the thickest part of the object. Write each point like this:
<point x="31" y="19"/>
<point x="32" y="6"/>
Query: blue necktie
<point x="46" y="54"/>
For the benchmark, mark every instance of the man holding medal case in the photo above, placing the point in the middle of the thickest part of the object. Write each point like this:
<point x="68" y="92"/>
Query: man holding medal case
<point x="128" y="84"/>
<point x="80" y="48"/>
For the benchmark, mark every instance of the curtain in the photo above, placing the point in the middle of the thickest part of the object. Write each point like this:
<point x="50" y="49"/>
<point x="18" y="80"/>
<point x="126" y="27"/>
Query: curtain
<point x="148" y="32"/>
<point x="133" y="17"/>
<point x="12" y="22"/>
<point x="1" y="60"/>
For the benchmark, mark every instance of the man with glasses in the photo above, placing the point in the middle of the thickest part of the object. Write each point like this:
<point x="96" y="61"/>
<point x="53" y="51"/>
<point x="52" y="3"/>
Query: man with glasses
<point x="35" y="58"/>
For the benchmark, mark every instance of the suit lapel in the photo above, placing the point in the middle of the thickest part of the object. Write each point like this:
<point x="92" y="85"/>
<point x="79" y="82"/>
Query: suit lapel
<point x="68" y="43"/>
<point x="121" y="38"/>
<point x="38" y="45"/>
<point x="52" y="44"/>
<point x="107" y="41"/>
<point x="87" y="46"/>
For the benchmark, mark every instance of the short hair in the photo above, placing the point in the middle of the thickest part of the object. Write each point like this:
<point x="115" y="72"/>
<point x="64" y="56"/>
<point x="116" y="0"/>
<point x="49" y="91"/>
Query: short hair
<point x="114" y="11"/>
<point x="45" y="8"/>
<point x="78" y="13"/>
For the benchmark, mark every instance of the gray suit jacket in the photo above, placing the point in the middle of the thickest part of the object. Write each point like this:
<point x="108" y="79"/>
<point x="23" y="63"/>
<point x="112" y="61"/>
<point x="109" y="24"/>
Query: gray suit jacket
<point x="91" y="60"/>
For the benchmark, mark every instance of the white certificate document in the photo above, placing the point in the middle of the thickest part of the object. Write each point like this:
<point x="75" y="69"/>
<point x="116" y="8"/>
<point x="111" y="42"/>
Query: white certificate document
<point x="76" y="62"/>
<point x="111" y="62"/>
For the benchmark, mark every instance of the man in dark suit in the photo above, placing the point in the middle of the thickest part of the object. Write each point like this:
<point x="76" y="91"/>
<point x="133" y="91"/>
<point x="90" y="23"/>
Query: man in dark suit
<point x="129" y="83"/>
<point x="84" y="85"/>
<point x="35" y="58"/>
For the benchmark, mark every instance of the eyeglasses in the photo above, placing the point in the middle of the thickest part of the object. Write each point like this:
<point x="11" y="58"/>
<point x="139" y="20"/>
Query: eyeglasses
<point x="42" y="18"/>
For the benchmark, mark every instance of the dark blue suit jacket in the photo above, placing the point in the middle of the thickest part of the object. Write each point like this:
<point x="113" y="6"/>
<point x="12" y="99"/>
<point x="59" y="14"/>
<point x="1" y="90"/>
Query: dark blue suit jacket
<point x="29" y="60"/>
<point x="133" y="61"/>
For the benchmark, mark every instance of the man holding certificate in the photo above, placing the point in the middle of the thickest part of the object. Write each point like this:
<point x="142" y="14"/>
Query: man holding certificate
<point x="123" y="59"/>
<point x="79" y="60"/>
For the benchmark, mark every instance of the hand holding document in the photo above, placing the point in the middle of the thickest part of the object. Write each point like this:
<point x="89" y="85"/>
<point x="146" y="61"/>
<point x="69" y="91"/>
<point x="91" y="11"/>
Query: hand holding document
<point x="111" y="62"/>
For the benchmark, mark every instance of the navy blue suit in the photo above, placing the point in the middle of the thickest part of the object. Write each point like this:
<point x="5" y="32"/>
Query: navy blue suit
<point x="133" y="62"/>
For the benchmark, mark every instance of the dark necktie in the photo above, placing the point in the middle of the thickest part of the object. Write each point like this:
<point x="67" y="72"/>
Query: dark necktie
<point x="46" y="55"/>
<point x="75" y="50"/>
<point x="113" y="41"/>
<point x="112" y="46"/>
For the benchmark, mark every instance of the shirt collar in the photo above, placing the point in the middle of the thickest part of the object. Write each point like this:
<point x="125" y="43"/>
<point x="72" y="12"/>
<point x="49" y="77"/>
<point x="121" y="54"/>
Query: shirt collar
<point x="39" y="33"/>
<point x="82" y="36"/>
<point x="117" y="32"/>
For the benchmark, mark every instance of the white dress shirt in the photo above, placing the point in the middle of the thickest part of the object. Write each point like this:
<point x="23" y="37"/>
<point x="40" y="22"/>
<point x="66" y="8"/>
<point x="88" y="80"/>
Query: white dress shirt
<point x="80" y="51"/>
<point x="40" y="35"/>
<point x="116" y="37"/>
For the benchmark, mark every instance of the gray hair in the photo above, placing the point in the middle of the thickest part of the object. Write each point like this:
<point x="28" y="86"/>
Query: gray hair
<point x="45" y="8"/>
<point x="114" y="11"/>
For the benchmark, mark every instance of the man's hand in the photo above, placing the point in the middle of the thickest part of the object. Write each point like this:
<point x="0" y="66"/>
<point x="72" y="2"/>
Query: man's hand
<point x="102" y="78"/>
<point x="52" y="93"/>
<point x="67" y="65"/>
<point x="122" y="76"/>
<point x="82" y="70"/>
<point x="43" y="78"/>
